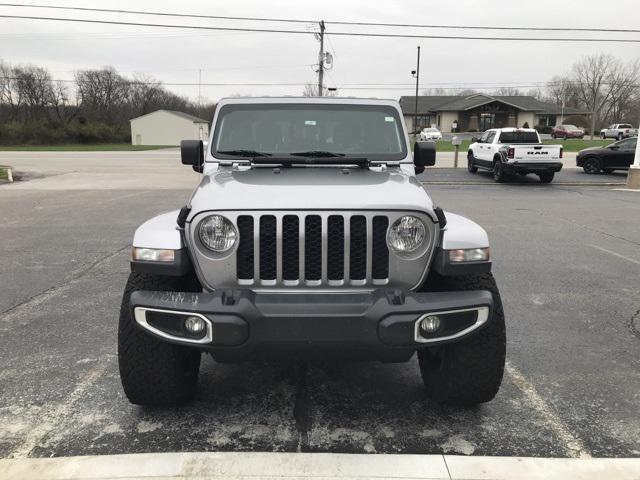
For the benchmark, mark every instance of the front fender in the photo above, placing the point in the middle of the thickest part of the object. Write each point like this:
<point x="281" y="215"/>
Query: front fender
<point x="162" y="232"/>
<point x="159" y="232"/>
<point x="461" y="233"/>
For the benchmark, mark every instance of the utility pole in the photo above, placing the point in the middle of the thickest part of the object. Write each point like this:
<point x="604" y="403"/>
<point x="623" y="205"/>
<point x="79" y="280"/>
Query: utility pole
<point x="416" y="74"/>
<point x="199" y="87"/>
<point x="321" y="59"/>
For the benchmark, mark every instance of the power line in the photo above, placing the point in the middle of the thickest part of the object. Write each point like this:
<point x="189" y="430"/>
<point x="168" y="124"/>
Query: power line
<point x="351" y="86"/>
<point x="334" y="22"/>
<point x="304" y="32"/>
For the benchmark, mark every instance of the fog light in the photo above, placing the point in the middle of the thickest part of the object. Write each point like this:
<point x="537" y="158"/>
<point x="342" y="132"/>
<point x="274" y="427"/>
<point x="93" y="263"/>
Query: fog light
<point x="430" y="324"/>
<point x="194" y="325"/>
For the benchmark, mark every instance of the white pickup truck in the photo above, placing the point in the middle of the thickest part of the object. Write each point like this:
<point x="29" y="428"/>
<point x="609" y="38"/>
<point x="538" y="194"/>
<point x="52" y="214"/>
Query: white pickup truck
<point x="618" y="131"/>
<point x="506" y="151"/>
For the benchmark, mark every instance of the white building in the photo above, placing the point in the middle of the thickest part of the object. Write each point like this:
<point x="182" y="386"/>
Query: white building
<point x="167" y="127"/>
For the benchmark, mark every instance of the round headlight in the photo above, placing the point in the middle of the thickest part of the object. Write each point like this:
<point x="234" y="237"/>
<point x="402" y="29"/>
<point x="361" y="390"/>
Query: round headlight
<point x="217" y="233"/>
<point x="407" y="234"/>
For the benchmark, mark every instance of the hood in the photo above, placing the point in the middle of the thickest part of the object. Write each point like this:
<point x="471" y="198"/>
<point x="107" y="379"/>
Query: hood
<point x="589" y="149"/>
<point x="309" y="189"/>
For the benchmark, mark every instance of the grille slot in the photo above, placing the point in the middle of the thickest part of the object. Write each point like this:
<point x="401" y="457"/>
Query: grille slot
<point x="380" y="251"/>
<point x="312" y="249"/>
<point x="268" y="247"/>
<point x="358" y="248"/>
<point x="290" y="247"/>
<point x="335" y="247"/>
<point x="244" y="260"/>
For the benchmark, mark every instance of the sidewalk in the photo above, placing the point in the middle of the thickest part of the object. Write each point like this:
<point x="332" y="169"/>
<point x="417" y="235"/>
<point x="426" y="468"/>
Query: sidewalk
<point x="315" y="465"/>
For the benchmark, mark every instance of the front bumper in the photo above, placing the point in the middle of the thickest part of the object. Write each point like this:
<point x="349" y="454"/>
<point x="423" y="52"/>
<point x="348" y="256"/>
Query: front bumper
<point x="526" y="167"/>
<point x="243" y="324"/>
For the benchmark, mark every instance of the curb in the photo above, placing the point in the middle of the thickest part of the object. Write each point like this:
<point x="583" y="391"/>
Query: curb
<point x="239" y="465"/>
<point x="562" y="184"/>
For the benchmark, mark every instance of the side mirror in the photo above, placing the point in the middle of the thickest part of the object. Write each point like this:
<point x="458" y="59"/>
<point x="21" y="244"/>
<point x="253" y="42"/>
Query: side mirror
<point x="475" y="139"/>
<point x="424" y="155"/>
<point x="192" y="153"/>
<point x="615" y="147"/>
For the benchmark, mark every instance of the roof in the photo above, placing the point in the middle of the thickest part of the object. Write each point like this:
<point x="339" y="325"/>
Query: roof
<point x="184" y="115"/>
<point x="454" y="103"/>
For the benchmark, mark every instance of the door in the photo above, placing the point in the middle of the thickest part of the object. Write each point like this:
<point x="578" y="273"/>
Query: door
<point x="138" y="139"/>
<point x="623" y="156"/>
<point x="486" y="148"/>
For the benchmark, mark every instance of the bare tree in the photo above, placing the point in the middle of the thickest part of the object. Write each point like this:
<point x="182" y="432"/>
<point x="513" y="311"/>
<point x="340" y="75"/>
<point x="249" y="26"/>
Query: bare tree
<point x="311" y="90"/>
<point x="34" y="90"/>
<point x="622" y="85"/>
<point x="144" y="95"/>
<point x="102" y="93"/>
<point x="590" y="78"/>
<point x="508" y="92"/>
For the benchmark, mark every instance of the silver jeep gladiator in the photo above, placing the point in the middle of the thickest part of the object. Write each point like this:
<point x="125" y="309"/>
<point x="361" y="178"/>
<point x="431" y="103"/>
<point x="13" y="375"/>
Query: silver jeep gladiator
<point x="309" y="235"/>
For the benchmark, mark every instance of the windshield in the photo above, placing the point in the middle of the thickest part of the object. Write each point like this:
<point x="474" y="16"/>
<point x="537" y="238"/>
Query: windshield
<point x="570" y="127"/>
<point x="430" y="129"/>
<point x="372" y="131"/>
<point x="519" y="137"/>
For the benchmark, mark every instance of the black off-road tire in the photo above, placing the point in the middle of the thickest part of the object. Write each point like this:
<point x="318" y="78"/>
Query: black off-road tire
<point x="470" y="371"/>
<point x="546" y="177"/>
<point x="154" y="372"/>
<point x="620" y="136"/>
<point x="608" y="170"/>
<point x="498" y="172"/>
<point x="471" y="163"/>
<point x="603" y="136"/>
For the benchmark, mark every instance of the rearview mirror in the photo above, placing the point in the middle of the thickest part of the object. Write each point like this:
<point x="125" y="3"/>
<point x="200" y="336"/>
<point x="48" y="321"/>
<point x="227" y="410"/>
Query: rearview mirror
<point x="424" y="155"/>
<point x="192" y="153"/>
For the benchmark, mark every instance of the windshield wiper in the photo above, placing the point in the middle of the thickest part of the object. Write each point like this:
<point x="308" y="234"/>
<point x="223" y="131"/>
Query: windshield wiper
<point x="317" y="154"/>
<point x="244" y="153"/>
<point x="291" y="161"/>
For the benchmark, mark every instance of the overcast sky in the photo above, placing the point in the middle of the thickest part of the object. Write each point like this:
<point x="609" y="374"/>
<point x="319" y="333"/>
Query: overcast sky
<point x="237" y="57"/>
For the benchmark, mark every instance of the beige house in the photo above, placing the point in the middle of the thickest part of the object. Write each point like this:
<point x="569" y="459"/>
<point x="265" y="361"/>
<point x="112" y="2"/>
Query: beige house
<point x="480" y="112"/>
<point x="167" y="127"/>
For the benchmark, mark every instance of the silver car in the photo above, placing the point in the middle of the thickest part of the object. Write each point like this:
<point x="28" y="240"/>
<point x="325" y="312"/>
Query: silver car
<point x="309" y="235"/>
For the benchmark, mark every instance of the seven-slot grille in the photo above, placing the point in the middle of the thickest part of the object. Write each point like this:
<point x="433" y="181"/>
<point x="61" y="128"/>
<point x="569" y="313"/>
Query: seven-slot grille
<point x="312" y="249"/>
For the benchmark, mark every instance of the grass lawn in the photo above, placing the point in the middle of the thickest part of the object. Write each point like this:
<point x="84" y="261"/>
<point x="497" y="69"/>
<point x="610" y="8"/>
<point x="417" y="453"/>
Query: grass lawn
<point x="3" y="173"/>
<point x="106" y="147"/>
<point x="571" y="145"/>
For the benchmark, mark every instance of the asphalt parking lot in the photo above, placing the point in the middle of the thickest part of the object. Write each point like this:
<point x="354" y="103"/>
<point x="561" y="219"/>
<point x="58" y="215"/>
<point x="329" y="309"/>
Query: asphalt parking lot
<point x="566" y="258"/>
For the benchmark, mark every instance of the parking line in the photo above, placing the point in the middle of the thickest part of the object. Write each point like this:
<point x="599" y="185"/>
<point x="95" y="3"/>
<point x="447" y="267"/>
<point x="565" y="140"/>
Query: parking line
<point x="614" y="254"/>
<point x="51" y="418"/>
<point x="572" y="445"/>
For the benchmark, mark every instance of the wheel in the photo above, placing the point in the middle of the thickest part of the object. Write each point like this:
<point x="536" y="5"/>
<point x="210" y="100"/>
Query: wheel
<point x="620" y="136"/>
<point x="546" y="177"/>
<point x="467" y="372"/>
<point x="498" y="172"/>
<point x="603" y="136"/>
<point x="152" y="372"/>
<point x="471" y="164"/>
<point x="591" y="166"/>
<point x="608" y="170"/>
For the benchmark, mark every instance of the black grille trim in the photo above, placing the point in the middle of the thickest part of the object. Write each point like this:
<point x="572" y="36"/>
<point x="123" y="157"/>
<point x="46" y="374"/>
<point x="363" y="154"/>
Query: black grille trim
<point x="268" y="249"/>
<point x="358" y="248"/>
<point x="290" y="247"/>
<point x="380" y="251"/>
<point x="313" y="247"/>
<point x="335" y="247"/>
<point x="244" y="255"/>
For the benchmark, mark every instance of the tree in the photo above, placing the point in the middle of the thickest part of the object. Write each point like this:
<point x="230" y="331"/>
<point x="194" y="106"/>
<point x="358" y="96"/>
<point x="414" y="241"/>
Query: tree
<point x="102" y="93"/>
<point x="311" y="90"/>
<point x="590" y="78"/>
